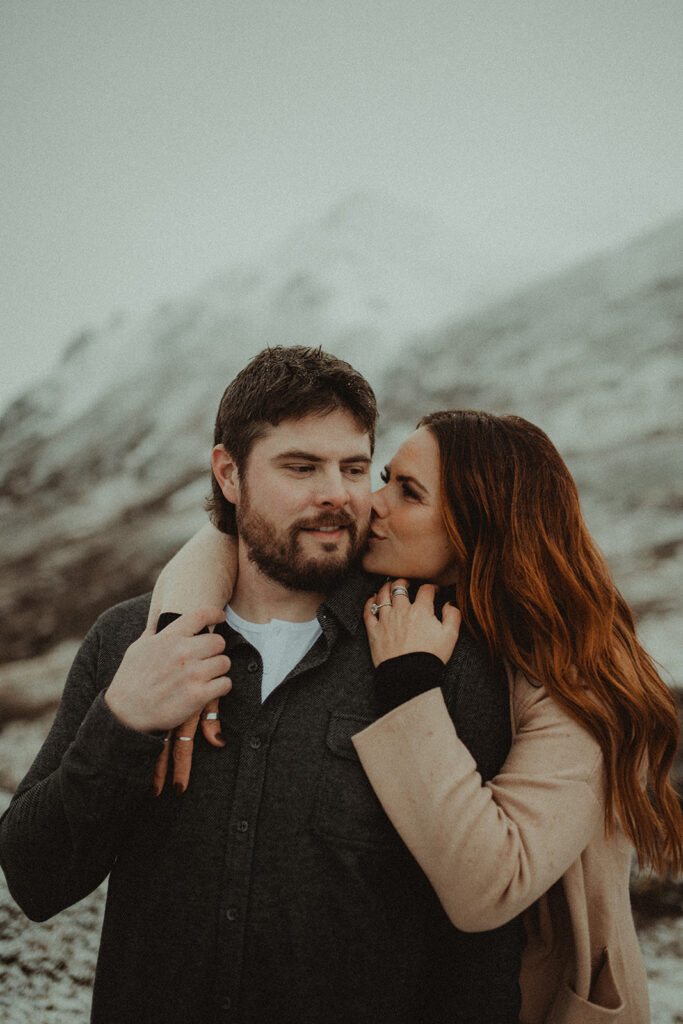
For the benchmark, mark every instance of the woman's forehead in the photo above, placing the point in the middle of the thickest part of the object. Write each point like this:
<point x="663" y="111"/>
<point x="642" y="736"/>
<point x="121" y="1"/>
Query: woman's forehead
<point x="418" y="456"/>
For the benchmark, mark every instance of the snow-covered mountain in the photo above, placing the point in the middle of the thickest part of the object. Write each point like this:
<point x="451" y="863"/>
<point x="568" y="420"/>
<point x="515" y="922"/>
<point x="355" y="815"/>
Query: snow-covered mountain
<point x="104" y="465"/>
<point x="595" y="357"/>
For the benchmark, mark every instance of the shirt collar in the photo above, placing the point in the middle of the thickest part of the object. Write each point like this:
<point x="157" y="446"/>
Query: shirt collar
<point x="346" y="602"/>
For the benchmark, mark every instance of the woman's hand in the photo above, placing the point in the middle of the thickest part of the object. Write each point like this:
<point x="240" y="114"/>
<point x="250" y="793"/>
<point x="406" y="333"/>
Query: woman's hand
<point x="203" y="572"/>
<point x="402" y="627"/>
<point x="166" y="678"/>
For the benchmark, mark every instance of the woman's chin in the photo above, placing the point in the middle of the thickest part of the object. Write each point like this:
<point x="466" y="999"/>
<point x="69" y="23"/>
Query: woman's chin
<point x="371" y="564"/>
<point x="377" y="566"/>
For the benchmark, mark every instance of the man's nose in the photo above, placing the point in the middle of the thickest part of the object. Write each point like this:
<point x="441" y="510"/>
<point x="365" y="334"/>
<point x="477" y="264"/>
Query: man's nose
<point x="333" y="492"/>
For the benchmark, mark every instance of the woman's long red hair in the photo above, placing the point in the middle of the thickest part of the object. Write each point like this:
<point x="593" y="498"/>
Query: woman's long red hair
<point x="538" y="592"/>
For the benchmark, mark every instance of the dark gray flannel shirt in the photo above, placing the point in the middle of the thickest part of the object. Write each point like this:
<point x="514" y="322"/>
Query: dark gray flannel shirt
<point x="275" y="889"/>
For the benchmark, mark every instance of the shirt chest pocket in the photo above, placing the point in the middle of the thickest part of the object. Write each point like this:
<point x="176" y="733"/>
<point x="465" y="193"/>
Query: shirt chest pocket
<point x="345" y="807"/>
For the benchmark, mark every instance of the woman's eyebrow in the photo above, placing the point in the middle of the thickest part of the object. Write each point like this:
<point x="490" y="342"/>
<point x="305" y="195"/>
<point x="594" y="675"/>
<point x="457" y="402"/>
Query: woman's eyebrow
<point x="405" y="478"/>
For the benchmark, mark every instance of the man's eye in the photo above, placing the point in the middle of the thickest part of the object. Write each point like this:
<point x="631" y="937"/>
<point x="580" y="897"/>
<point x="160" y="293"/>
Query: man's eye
<point x="301" y="468"/>
<point x="356" y="470"/>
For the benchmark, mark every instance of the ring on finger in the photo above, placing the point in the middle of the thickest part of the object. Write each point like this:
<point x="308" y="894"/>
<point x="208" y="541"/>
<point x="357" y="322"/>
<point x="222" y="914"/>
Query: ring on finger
<point x="210" y="716"/>
<point x="399" y="589"/>
<point x="184" y="739"/>
<point x="374" y="608"/>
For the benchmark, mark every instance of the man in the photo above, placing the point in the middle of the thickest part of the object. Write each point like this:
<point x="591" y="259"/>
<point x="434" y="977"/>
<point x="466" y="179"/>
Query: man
<point x="274" y="888"/>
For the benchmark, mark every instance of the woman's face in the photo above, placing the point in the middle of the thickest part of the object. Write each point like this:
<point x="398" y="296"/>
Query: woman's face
<point x="407" y="533"/>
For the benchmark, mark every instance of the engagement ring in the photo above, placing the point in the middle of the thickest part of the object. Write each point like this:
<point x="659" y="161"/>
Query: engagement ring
<point x="374" y="608"/>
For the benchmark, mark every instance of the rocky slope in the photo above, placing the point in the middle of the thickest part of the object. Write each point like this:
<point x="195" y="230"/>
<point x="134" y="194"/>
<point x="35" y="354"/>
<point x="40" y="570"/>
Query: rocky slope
<point x="595" y="357"/>
<point x="104" y="465"/>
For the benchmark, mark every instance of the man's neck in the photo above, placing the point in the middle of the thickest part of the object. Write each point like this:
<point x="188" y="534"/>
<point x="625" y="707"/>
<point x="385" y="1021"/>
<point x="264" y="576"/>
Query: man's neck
<point x="257" y="598"/>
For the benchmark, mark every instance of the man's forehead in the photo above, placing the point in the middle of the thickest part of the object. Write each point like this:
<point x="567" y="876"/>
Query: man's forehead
<point x="332" y="435"/>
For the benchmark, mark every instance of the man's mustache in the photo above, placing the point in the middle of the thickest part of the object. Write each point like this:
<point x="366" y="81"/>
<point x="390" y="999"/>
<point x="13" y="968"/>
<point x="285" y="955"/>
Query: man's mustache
<point x="325" y="519"/>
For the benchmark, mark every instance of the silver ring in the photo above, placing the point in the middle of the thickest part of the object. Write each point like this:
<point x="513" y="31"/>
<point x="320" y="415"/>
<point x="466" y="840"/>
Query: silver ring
<point x="399" y="590"/>
<point x="210" y="716"/>
<point x="374" y="608"/>
<point x="185" y="739"/>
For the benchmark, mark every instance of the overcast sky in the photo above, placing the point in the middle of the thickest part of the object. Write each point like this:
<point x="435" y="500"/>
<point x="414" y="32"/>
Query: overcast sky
<point x="148" y="145"/>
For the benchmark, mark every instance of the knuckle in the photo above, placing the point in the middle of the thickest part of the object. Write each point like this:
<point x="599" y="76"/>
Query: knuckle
<point x="218" y="642"/>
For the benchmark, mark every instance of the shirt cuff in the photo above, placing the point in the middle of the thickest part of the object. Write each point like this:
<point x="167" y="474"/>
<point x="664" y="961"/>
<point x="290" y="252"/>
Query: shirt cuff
<point x="106" y="743"/>
<point x="398" y="680"/>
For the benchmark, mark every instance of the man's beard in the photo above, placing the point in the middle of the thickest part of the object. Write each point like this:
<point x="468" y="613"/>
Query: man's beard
<point x="278" y="554"/>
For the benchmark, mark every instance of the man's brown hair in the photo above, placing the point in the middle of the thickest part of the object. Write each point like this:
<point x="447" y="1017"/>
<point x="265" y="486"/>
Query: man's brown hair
<point x="282" y="383"/>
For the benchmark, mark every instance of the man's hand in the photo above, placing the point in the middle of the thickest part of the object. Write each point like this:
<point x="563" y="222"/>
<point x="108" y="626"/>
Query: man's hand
<point x="402" y="627"/>
<point x="168" y="677"/>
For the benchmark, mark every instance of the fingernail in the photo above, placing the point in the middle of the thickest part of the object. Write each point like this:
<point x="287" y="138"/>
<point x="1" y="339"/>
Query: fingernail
<point x="178" y="788"/>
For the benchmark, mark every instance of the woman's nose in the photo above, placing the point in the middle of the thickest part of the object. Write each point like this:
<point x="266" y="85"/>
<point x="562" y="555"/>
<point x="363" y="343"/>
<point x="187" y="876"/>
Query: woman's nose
<point x="378" y="502"/>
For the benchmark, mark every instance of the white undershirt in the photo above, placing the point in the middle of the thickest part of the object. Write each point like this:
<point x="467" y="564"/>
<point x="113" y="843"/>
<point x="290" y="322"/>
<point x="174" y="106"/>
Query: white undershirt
<point x="281" y="645"/>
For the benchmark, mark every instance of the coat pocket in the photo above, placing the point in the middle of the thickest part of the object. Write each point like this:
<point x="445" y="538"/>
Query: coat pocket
<point x="605" y="1002"/>
<point x="346" y="807"/>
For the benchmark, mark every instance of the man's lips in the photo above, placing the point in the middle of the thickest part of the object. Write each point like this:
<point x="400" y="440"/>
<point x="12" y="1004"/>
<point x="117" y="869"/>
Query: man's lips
<point x="327" y="530"/>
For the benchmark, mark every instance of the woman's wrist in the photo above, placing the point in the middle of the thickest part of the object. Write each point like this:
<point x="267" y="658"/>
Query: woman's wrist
<point x="398" y="680"/>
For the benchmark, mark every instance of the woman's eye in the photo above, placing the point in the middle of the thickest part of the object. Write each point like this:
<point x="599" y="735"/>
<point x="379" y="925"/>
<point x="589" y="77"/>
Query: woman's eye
<point x="409" y="492"/>
<point x="384" y="476"/>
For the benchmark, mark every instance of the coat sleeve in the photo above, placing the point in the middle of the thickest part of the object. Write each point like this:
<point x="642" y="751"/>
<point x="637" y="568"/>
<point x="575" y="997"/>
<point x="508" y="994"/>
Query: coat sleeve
<point x="60" y="834"/>
<point x="489" y="850"/>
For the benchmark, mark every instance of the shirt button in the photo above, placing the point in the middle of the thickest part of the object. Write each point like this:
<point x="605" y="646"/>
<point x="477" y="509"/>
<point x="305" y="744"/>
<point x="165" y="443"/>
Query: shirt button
<point x="232" y="913"/>
<point x="252" y="666"/>
<point x="254" y="742"/>
<point x="242" y="826"/>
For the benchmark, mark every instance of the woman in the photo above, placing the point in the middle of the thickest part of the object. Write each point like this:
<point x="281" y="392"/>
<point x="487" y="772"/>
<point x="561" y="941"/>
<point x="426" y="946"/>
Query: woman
<point x="486" y="505"/>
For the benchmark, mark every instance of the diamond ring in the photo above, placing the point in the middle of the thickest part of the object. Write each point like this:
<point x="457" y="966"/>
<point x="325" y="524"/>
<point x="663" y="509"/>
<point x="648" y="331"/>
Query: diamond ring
<point x="374" y="608"/>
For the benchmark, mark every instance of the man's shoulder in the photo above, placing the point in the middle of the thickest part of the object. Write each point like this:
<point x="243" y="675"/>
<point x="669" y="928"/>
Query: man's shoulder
<point x="475" y="680"/>
<point x="476" y="692"/>
<point x="124" y="621"/>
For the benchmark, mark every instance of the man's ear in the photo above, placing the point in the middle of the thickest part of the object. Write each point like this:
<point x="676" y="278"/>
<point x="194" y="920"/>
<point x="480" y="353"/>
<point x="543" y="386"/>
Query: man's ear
<point x="225" y="471"/>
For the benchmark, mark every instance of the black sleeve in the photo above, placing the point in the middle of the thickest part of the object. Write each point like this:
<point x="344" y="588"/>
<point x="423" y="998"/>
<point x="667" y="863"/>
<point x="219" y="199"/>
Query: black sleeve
<point x="399" y="679"/>
<point x="485" y="966"/>
<point x="60" y="834"/>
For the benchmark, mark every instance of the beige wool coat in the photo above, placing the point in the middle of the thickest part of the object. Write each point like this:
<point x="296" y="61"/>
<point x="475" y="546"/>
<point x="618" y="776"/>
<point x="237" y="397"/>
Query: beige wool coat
<point x="532" y="839"/>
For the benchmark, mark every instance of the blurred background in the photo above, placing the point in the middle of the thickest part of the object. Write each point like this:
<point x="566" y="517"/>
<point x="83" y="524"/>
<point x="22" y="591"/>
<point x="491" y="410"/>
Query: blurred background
<point x="478" y="204"/>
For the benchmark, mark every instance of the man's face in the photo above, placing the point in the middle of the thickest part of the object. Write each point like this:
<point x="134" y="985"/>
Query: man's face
<point x="303" y="502"/>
